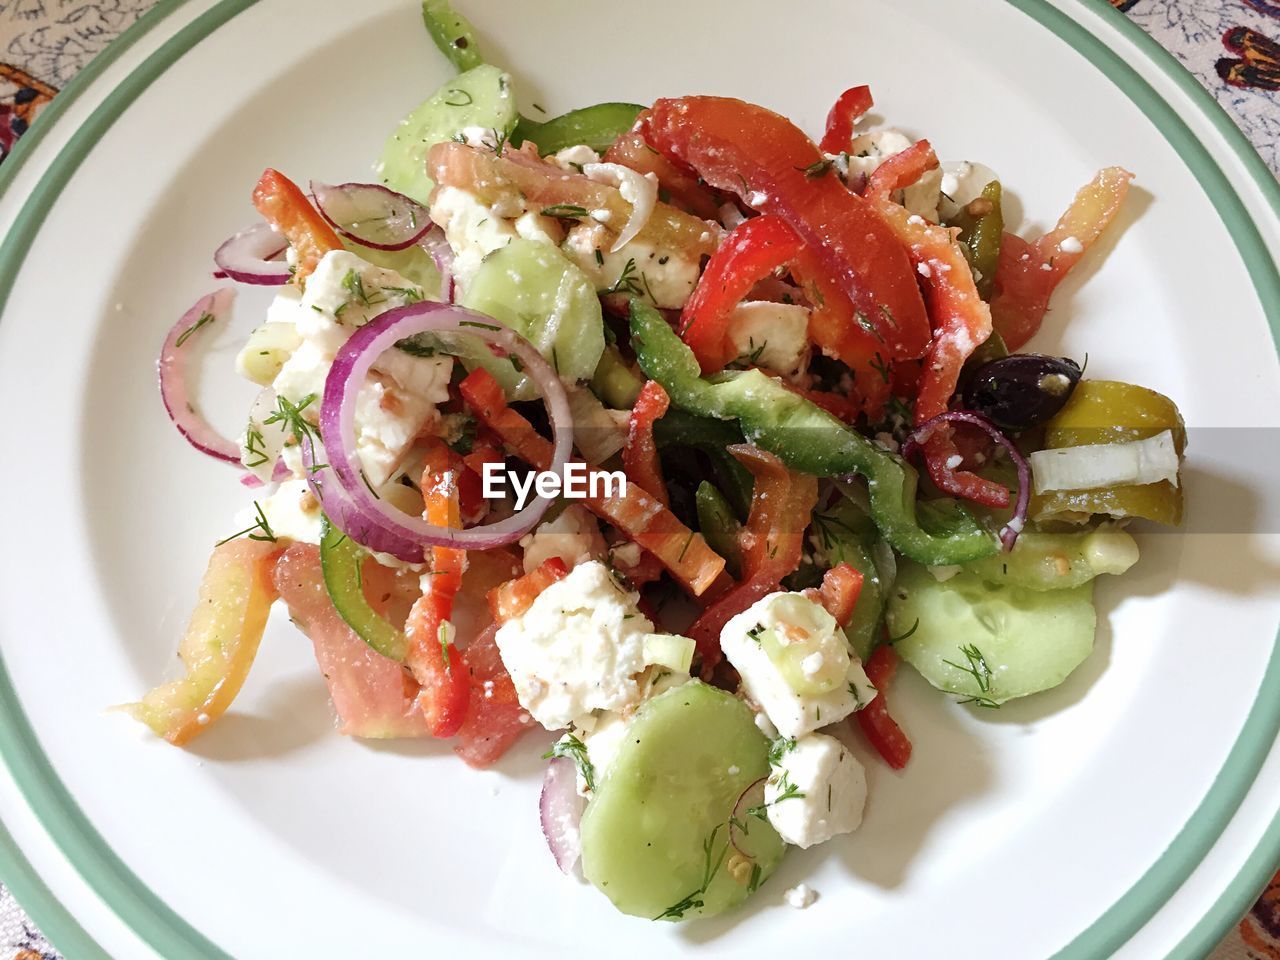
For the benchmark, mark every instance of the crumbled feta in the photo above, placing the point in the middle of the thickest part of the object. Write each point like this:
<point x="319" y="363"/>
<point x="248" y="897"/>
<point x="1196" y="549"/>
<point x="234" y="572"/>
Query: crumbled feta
<point x="817" y="790"/>
<point x="962" y="183"/>
<point x="473" y="229"/>
<point x="774" y="336"/>
<point x="664" y="278"/>
<point x="573" y="159"/>
<point x="626" y="554"/>
<point x="868" y="151"/>
<point x="399" y="398"/>
<point x="800" y="896"/>
<point x="922" y="268"/>
<point x="954" y="461"/>
<point x="292" y="512"/>
<point x="578" y="648"/>
<point x="1071" y="245"/>
<point x="792" y="622"/>
<point x="574" y="537"/>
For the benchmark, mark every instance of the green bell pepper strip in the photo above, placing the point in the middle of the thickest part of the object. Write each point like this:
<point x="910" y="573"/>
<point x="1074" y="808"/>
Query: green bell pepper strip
<point x="846" y="535"/>
<point x="718" y="526"/>
<point x="597" y="126"/>
<point x="980" y="238"/>
<point x="678" y="428"/>
<point x="341" y="559"/>
<point x="452" y="33"/>
<point x="810" y="440"/>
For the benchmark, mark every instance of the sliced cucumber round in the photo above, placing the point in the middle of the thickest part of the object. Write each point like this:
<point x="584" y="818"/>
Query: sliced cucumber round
<point x="655" y="837"/>
<point x="985" y="642"/>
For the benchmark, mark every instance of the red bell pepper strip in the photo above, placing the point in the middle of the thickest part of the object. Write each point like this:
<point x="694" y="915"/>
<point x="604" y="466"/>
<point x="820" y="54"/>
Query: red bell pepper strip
<point x="841" y="586"/>
<point x="432" y="656"/>
<point x="879" y="728"/>
<point x="513" y="598"/>
<point x="287" y="208"/>
<point x="772" y="541"/>
<point x="856" y="272"/>
<point x="753" y="251"/>
<point x="640" y="453"/>
<point x="1029" y="272"/>
<point x="639" y="516"/>
<point x="678" y="187"/>
<point x="849" y="108"/>
<point x="961" y="320"/>
<point x="840" y="407"/>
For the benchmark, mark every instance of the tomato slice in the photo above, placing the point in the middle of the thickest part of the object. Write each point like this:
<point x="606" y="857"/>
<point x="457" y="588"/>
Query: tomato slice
<point x="841" y="587"/>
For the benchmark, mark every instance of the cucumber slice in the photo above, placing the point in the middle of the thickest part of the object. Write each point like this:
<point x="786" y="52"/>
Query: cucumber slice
<point x="655" y="838"/>
<point x="341" y="559"/>
<point x="481" y="97"/>
<point x="986" y="642"/>
<point x="1059" y="561"/>
<point x="535" y="290"/>
<point x="412" y="263"/>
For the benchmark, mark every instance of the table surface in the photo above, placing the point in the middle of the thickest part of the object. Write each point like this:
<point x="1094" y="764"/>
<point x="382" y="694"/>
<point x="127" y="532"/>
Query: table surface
<point x="1232" y="47"/>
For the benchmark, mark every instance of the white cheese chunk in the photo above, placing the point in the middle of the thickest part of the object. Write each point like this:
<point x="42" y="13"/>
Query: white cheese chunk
<point x="578" y="648"/>
<point x="794" y="619"/>
<point x="800" y="897"/>
<point x="398" y="400"/>
<point x="663" y="278"/>
<point x="292" y="512"/>
<point x="962" y="183"/>
<point x="818" y="790"/>
<point x="774" y="336"/>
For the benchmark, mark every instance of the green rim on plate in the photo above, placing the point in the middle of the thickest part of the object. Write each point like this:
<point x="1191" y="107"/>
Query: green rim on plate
<point x="172" y="937"/>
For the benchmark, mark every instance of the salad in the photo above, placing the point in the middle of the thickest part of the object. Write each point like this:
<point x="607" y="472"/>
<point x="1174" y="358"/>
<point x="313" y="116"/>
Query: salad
<point x="670" y="431"/>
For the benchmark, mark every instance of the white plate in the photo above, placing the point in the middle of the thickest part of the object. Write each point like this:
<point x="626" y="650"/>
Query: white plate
<point x="1131" y="812"/>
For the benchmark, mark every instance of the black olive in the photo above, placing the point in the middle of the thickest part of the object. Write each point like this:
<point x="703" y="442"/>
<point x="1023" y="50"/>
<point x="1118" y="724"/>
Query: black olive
<point x="1023" y="390"/>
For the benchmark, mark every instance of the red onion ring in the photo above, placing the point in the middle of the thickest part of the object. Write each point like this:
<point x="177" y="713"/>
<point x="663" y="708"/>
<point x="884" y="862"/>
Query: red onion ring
<point x="372" y="215"/>
<point x="560" y="809"/>
<point x="338" y="430"/>
<point x="172" y="368"/>
<point x="1009" y="532"/>
<point x="437" y="246"/>
<point x="250" y="257"/>
<point x="740" y="808"/>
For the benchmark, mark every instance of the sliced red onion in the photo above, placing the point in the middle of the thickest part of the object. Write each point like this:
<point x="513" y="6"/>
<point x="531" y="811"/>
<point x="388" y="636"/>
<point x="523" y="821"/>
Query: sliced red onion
<point x="338" y="429"/>
<point x="437" y="246"/>
<point x="172" y="366"/>
<point x="560" y="808"/>
<point x="372" y="215"/>
<point x="1009" y="532"/>
<point x="739" y="824"/>
<point x="251" y="257"/>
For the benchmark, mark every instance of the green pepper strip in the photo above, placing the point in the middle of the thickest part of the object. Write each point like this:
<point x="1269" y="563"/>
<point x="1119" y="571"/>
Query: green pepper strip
<point x="719" y="527"/>
<point x="679" y="428"/>
<point x="452" y="33"/>
<point x="845" y="533"/>
<point x="597" y="126"/>
<point x="341" y="559"/>
<point x="980" y="237"/>
<point x="807" y="439"/>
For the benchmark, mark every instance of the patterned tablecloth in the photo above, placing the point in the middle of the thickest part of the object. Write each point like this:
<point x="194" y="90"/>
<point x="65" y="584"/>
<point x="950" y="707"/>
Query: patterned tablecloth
<point x="1232" y="46"/>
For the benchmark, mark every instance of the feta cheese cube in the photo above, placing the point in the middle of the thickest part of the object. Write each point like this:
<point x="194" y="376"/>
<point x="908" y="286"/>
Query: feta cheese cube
<point x="868" y="151"/>
<point x="292" y="512"/>
<point x="817" y="790"/>
<point x="663" y="278"/>
<point x="771" y="335"/>
<point x="578" y="648"/>
<point x="473" y="229"/>
<point x="962" y="183"/>
<point x="785" y="628"/>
